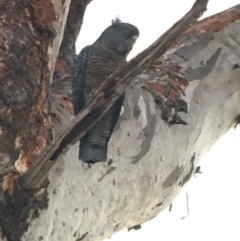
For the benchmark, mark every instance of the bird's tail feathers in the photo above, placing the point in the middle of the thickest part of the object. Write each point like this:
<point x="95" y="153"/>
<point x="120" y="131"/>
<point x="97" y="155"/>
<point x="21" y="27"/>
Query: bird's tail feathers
<point x="91" y="153"/>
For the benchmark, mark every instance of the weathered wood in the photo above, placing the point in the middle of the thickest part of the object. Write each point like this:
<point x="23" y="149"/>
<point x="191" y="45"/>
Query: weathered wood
<point x="104" y="98"/>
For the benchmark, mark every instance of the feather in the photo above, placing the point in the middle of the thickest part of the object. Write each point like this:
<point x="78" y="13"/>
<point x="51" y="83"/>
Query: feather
<point x="94" y="63"/>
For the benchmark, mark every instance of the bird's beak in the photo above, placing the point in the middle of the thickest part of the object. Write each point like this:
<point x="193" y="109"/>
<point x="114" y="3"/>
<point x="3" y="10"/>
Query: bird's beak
<point x="134" y="39"/>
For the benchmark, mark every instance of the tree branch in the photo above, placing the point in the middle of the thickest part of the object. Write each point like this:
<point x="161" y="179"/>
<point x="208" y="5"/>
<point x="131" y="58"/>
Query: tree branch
<point x="60" y="94"/>
<point x="104" y="98"/>
<point x="74" y="23"/>
<point x="148" y="162"/>
<point x="63" y="68"/>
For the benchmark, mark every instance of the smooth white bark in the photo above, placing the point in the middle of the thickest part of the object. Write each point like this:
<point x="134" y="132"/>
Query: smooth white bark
<point x="150" y="159"/>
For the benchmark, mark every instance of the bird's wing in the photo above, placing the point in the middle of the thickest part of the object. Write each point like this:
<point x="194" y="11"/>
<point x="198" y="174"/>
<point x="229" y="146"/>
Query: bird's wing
<point x="79" y="79"/>
<point x="116" y="110"/>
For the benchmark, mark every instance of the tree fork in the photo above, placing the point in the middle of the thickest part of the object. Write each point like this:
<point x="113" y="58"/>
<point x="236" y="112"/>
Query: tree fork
<point x="212" y="24"/>
<point x="104" y="98"/>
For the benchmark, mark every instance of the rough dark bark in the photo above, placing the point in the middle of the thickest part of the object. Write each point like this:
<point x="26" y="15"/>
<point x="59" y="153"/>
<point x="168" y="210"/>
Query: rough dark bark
<point x="31" y="33"/>
<point x="27" y="33"/>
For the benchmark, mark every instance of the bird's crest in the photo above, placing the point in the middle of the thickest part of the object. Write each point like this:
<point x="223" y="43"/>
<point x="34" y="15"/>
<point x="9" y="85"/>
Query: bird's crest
<point x="116" y="21"/>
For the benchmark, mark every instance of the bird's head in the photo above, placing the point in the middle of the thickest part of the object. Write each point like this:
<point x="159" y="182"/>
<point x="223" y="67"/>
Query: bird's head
<point x="120" y="36"/>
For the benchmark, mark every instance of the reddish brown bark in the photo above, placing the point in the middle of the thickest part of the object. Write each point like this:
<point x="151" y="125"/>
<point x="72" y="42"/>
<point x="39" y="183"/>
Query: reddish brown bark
<point x="25" y="36"/>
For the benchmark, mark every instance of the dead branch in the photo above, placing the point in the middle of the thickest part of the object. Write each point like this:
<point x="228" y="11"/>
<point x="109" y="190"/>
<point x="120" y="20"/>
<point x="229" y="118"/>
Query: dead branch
<point x="104" y="98"/>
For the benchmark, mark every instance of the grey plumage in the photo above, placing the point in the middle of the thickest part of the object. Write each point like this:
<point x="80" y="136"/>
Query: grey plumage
<point x="92" y="66"/>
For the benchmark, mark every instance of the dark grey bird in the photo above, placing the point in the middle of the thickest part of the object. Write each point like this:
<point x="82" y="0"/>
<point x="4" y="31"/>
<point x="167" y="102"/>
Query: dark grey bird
<point x="92" y="66"/>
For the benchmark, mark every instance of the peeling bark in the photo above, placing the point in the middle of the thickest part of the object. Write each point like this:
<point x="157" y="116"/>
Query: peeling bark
<point x="143" y="173"/>
<point x="30" y="36"/>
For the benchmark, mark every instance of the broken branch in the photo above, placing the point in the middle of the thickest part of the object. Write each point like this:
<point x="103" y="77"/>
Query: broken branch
<point x="105" y="97"/>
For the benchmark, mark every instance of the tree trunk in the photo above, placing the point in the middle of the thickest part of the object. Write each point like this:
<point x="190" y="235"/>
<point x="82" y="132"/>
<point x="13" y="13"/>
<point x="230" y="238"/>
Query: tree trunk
<point x="30" y="37"/>
<point x="149" y="161"/>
